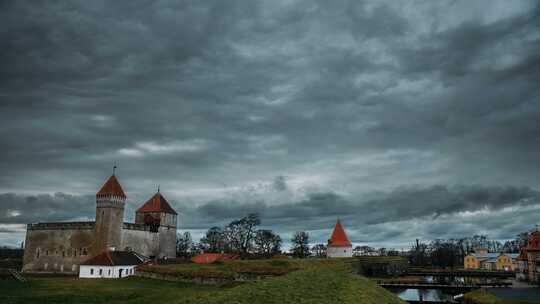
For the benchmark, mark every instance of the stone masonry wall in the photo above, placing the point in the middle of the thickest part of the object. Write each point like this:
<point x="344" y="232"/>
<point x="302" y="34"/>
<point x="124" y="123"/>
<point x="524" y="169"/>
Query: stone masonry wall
<point x="57" y="247"/>
<point x="138" y="238"/>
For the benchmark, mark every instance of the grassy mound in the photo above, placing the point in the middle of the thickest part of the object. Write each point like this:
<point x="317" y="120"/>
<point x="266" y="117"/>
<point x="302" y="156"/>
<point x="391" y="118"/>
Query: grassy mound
<point x="324" y="281"/>
<point x="482" y="296"/>
<point x="306" y="281"/>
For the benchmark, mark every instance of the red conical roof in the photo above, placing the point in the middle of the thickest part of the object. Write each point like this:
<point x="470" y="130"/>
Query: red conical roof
<point x="339" y="237"/>
<point x="157" y="203"/>
<point x="111" y="188"/>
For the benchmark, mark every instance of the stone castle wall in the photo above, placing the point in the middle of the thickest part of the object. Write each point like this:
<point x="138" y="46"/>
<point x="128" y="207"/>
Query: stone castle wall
<point x="140" y="239"/>
<point x="57" y="247"/>
<point x="167" y="241"/>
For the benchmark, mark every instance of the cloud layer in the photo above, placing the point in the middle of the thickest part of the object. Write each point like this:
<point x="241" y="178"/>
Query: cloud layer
<point x="404" y="119"/>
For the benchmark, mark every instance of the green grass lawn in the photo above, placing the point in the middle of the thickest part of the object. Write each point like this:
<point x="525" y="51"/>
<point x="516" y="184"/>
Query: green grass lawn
<point x="482" y="296"/>
<point x="309" y="281"/>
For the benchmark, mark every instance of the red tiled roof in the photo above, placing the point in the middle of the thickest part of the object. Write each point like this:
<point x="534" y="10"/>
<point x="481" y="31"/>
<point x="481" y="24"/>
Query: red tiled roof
<point x="533" y="243"/>
<point x="111" y="188"/>
<point x="113" y="258"/>
<point x="157" y="203"/>
<point x="208" y="258"/>
<point x="339" y="237"/>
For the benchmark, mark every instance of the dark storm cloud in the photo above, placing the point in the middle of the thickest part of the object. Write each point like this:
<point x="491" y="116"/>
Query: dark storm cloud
<point x="17" y="209"/>
<point x="334" y="97"/>
<point x="372" y="220"/>
<point x="398" y="205"/>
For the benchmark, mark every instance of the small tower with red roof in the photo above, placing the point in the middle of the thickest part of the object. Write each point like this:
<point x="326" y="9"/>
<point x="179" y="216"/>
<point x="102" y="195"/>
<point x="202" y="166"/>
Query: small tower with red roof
<point x="339" y="245"/>
<point x="110" y="202"/>
<point x="158" y="214"/>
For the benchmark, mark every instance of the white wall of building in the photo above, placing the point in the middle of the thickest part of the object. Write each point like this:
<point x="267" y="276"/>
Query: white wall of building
<point x="339" y="252"/>
<point x="107" y="272"/>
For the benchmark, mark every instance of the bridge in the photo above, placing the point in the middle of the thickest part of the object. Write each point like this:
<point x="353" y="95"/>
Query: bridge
<point x="444" y="286"/>
<point x="460" y="273"/>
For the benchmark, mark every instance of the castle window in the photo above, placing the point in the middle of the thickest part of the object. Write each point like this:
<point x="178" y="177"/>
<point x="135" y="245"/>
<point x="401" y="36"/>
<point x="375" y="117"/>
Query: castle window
<point x="37" y="253"/>
<point x="46" y="252"/>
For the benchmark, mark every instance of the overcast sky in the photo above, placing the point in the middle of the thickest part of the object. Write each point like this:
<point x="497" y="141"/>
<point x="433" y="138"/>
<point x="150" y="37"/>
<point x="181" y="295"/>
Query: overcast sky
<point x="406" y="119"/>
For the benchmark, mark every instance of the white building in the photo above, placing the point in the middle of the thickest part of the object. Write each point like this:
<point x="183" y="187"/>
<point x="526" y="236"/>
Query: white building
<point x="110" y="264"/>
<point x="339" y="245"/>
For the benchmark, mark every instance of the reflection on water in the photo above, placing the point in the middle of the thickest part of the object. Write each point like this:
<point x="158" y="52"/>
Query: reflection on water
<point x="446" y="295"/>
<point x="423" y="294"/>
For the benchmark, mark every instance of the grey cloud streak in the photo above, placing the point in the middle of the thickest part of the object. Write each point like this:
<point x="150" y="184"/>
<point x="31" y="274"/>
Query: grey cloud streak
<point x="373" y="220"/>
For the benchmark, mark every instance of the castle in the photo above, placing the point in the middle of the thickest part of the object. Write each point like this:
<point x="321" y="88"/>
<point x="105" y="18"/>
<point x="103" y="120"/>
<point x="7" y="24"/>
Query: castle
<point x="63" y="246"/>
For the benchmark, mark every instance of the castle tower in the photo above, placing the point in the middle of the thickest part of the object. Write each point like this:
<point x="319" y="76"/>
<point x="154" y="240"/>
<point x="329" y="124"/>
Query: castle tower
<point x="161" y="217"/>
<point x="110" y="201"/>
<point x="339" y="245"/>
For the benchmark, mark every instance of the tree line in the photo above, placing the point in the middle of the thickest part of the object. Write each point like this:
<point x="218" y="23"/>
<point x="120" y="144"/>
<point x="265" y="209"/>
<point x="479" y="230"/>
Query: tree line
<point x="451" y="252"/>
<point x="242" y="237"/>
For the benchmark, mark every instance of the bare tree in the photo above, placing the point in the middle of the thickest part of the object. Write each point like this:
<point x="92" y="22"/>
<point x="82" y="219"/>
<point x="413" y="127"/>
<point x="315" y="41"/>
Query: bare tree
<point x="319" y="250"/>
<point x="184" y="244"/>
<point x="300" y="241"/>
<point x="241" y="233"/>
<point x="214" y="240"/>
<point x="267" y="243"/>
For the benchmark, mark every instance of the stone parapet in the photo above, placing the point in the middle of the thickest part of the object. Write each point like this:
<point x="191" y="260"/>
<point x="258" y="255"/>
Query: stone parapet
<point x="61" y="226"/>
<point x="132" y="226"/>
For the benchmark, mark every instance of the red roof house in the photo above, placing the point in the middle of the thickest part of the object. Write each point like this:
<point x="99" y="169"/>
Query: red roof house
<point x="110" y="264"/>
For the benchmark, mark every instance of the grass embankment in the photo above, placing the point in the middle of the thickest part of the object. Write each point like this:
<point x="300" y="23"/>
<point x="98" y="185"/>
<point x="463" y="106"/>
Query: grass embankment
<point x="307" y="281"/>
<point x="322" y="281"/>
<point x="226" y="270"/>
<point x="482" y="296"/>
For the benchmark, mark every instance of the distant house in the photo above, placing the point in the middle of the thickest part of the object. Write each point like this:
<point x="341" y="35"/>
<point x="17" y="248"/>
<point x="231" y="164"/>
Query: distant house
<point x="481" y="259"/>
<point x="209" y="258"/>
<point x="110" y="264"/>
<point x="364" y="251"/>
<point x="529" y="259"/>
<point x="339" y="245"/>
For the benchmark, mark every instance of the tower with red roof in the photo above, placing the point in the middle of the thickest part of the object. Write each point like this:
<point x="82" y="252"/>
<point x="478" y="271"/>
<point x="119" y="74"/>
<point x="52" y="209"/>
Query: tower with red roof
<point x="110" y="202"/>
<point x="158" y="214"/>
<point x="339" y="245"/>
